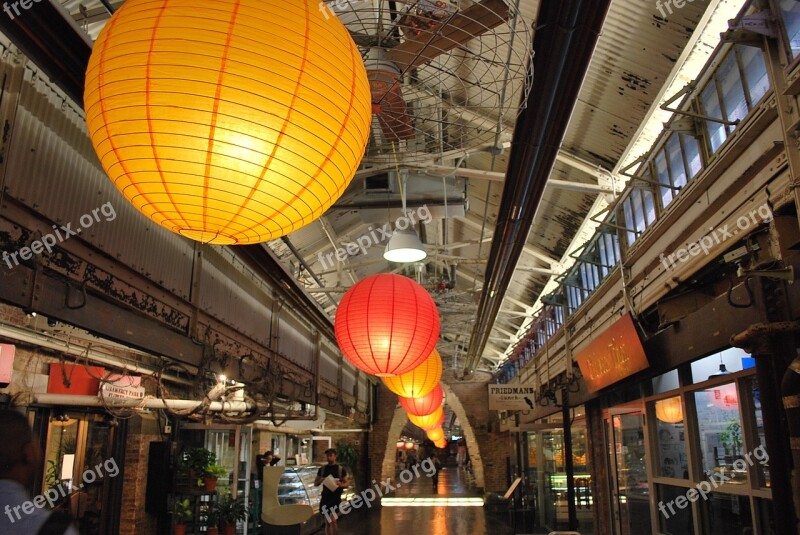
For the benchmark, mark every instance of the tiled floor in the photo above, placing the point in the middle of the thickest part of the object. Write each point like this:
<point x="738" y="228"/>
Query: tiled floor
<point x="435" y="520"/>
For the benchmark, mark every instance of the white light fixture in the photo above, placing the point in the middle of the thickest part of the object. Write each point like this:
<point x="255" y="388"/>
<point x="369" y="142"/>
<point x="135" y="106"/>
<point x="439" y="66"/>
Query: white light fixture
<point x="404" y="246"/>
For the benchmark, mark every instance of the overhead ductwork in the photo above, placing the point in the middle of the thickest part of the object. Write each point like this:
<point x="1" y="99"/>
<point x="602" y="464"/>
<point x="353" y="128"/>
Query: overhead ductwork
<point x="565" y="39"/>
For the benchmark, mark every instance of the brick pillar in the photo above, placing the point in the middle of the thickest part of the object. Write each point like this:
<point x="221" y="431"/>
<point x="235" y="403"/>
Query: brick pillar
<point x="142" y="430"/>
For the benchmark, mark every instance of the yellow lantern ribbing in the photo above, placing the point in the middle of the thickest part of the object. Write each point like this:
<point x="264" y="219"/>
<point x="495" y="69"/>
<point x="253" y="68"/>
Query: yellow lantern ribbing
<point x="228" y="121"/>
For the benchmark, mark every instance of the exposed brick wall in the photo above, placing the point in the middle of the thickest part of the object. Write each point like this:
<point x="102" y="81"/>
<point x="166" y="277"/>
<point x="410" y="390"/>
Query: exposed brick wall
<point x="133" y="519"/>
<point x="489" y="449"/>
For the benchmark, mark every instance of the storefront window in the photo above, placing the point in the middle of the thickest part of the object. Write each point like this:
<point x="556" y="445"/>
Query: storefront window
<point x="724" y="514"/>
<point x="750" y="386"/>
<point x="672" y="518"/>
<point x="671" y="439"/>
<point x="721" y="437"/>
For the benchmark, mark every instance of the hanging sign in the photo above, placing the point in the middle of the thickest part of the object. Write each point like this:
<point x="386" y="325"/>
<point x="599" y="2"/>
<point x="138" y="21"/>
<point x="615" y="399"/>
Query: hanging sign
<point x="614" y="355"/>
<point x="511" y="397"/>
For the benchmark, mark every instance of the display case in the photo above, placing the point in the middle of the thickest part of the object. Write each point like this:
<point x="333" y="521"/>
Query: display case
<point x="297" y="486"/>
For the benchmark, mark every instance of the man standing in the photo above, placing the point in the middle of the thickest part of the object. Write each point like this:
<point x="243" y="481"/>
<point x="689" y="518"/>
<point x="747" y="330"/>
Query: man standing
<point x="331" y="498"/>
<point x="19" y="461"/>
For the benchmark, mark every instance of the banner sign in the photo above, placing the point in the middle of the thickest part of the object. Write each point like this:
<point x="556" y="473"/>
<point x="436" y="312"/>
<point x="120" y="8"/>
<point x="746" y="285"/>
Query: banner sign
<point x="615" y="354"/>
<point x="511" y="397"/>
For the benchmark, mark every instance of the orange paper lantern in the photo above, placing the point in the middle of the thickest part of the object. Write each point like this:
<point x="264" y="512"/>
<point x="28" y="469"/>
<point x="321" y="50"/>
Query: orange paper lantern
<point x="436" y="435"/>
<point x="429" y="421"/>
<point x="441" y="444"/>
<point x="669" y="410"/>
<point x="387" y="325"/>
<point x="419" y="381"/>
<point x="228" y="122"/>
<point x="426" y="404"/>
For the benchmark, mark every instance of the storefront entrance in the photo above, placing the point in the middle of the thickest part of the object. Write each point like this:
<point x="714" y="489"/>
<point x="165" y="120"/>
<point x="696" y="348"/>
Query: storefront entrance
<point x="627" y="461"/>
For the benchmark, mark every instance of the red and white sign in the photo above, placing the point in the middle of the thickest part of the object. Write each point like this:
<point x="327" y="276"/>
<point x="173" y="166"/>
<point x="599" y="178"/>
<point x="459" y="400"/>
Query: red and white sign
<point x="6" y="362"/>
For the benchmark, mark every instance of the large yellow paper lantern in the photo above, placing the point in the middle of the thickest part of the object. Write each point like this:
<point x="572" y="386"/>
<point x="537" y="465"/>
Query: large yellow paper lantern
<point x="669" y="410"/>
<point x="419" y="381"/>
<point x="429" y="421"/>
<point x="228" y="122"/>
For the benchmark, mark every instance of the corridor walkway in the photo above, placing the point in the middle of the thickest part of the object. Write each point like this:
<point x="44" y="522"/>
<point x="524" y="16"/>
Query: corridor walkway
<point x="428" y="518"/>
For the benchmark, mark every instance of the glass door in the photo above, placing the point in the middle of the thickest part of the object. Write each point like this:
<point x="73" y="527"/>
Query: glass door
<point x="630" y="489"/>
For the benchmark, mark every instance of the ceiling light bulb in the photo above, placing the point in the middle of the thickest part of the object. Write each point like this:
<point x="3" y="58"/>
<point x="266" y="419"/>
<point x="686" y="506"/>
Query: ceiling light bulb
<point x="404" y="246"/>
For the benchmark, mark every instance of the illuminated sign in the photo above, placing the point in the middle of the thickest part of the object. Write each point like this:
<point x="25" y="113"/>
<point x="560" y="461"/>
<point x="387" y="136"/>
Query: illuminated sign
<point x="614" y="355"/>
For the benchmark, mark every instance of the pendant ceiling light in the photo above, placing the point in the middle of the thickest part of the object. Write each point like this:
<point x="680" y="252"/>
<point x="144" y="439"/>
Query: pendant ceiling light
<point x="404" y="246"/>
<point x="228" y="121"/>
<point x="387" y="325"/>
<point x="429" y="421"/>
<point x="418" y="381"/>
<point x="425" y="404"/>
<point x="441" y="444"/>
<point x="669" y="410"/>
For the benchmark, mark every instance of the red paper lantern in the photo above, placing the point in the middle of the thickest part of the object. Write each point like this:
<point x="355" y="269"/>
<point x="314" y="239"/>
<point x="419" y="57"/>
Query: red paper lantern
<point x="387" y="325"/>
<point x="427" y="404"/>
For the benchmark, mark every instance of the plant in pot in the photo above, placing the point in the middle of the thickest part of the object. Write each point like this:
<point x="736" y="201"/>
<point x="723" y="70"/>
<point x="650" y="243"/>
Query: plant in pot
<point x="229" y="511"/>
<point x="347" y="456"/>
<point x="212" y="519"/>
<point x="195" y="461"/>
<point x="182" y="511"/>
<point x="211" y="474"/>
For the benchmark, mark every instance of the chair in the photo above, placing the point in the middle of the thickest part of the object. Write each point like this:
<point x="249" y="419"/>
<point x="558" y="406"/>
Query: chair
<point x="272" y="512"/>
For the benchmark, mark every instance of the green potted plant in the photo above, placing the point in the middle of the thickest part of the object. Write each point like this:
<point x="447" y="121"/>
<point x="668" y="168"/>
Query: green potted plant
<point x="182" y="511"/>
<point x="195" y="461"/>
<point x="230" y="510"/>
<point x="212" y="519"/>
<point x="211" y="474"/>
<point x="347" y="456"/>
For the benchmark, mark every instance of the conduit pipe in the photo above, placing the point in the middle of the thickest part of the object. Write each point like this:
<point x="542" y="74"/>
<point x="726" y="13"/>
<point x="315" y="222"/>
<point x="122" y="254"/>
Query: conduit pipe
<point x="565" y="39"/>
<point x="147" y="403"/>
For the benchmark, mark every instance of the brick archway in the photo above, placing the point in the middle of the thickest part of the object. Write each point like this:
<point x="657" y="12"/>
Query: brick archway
<point x="385" y="436"/>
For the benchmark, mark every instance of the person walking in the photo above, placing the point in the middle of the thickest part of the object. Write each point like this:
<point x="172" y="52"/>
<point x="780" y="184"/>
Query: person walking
<point x="19" y="460"/>
<point x="437" y="465"/>
<point x="331" y="497"/>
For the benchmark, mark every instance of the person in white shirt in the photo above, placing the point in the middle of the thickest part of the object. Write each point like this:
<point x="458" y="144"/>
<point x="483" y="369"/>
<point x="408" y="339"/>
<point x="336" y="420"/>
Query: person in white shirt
<point x="19" y="460"/>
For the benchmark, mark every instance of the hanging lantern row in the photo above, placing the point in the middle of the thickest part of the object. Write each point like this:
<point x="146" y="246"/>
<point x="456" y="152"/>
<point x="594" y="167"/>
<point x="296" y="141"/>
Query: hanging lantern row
<point x="424" y="405"/>
<point x="387" y="325"/>
<point x="228" y="122"/>
<point x="419" y="381"/>
<point x="436" y="435"/>
<point x="429" y="421"/>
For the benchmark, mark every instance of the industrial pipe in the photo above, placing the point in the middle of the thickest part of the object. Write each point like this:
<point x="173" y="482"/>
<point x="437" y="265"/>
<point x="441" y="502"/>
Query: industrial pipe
<point x="147" y="403"/>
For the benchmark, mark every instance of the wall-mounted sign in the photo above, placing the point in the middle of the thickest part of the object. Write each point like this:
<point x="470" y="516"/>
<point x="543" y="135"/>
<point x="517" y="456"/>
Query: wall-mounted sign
<point x="511" y="397"/>
<point x="122" y="390"/>
<point x="614" y="355"/>
<point x="6" y="363"/>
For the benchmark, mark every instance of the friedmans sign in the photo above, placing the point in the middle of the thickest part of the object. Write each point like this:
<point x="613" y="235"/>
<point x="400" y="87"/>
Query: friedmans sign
<point x="511" y="397"/>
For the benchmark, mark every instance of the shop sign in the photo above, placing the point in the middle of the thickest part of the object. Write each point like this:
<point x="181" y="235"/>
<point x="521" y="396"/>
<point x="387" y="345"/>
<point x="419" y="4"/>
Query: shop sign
<point x="123" y="389"/>
<point x="74" y="379"/>
<point x="614" y="355"/>
<point x="511" y="397"/>
<point x="6" y="362"/>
